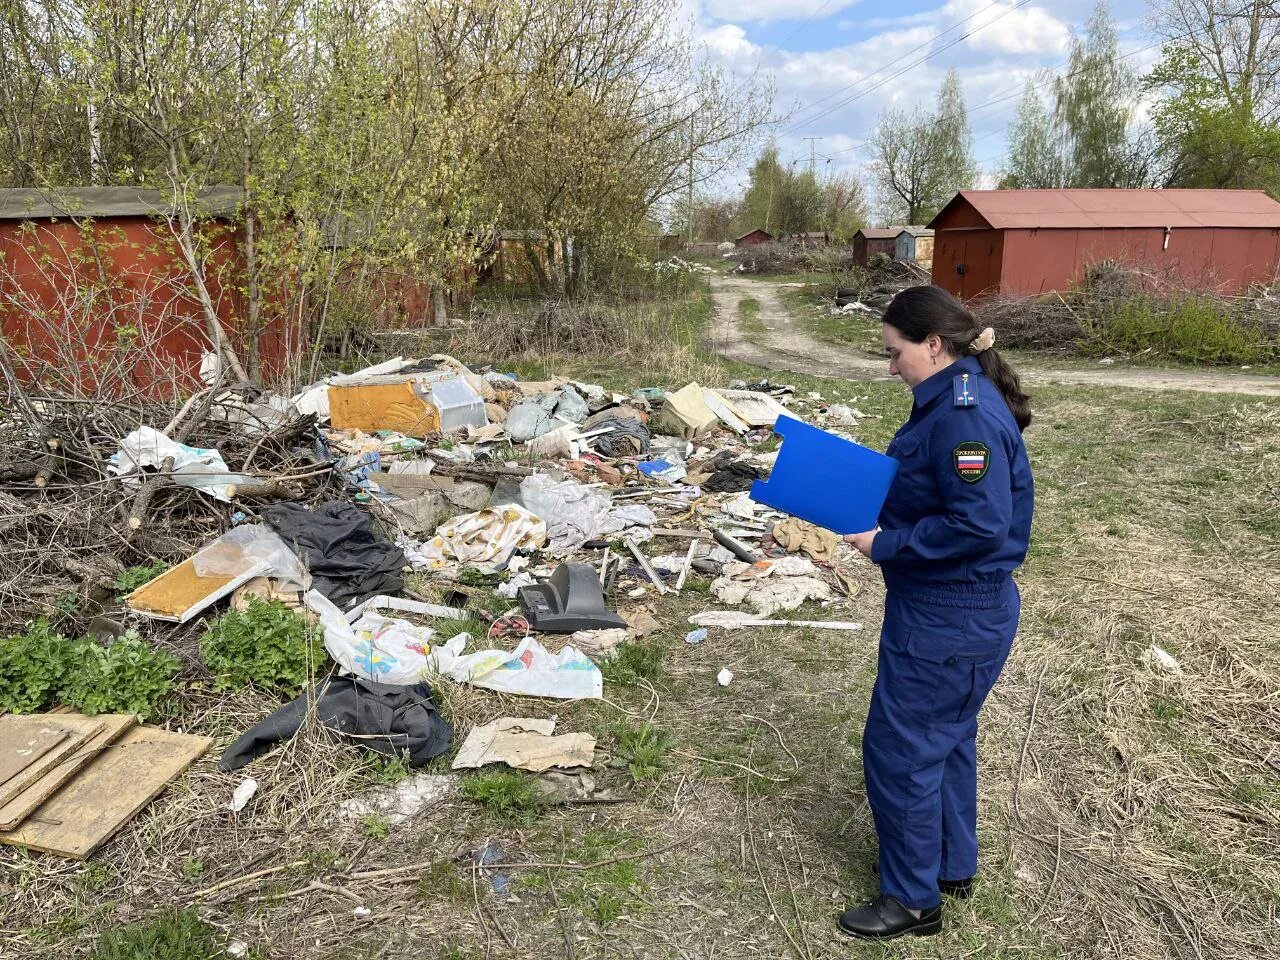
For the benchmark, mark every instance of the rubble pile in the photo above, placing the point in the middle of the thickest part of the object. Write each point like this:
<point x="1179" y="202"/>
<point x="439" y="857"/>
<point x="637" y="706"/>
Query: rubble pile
<point x="555" y="521"/>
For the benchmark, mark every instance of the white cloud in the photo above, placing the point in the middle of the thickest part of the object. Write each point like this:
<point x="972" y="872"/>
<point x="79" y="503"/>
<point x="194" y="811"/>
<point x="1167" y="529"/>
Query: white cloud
<point x="730" y="42"/>
<point x="1004" y="29"/>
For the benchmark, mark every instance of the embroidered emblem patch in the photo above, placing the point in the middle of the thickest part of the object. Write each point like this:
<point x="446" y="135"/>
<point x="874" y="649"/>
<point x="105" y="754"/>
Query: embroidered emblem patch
<point x="964" y="391"/>
<point x="972" y="459"/>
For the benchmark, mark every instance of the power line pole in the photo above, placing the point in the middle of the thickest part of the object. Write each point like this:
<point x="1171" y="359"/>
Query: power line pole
<point x="813" y="143"/>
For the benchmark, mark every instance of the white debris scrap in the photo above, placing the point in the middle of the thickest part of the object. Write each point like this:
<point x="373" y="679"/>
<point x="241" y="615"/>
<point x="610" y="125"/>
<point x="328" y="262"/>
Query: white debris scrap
<point x="1164" y="660"/>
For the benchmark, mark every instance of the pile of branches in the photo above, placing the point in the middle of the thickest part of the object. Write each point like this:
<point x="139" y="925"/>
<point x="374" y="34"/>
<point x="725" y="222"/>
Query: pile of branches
<point x="69" y="527"/>
<point x="775" y="258"/>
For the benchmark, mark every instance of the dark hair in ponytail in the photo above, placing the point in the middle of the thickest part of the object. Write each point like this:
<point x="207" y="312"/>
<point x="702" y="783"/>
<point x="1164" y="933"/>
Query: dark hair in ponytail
<point x="918" y="312"/>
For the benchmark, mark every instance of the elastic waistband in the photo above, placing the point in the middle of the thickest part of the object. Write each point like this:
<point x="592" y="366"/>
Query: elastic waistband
<point x="972" y="596"/>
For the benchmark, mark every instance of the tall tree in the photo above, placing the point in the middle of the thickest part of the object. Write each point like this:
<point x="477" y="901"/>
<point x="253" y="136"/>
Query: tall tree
<point x="921" y="158"/>
<point x="1095" y="103"/>
<point x="844" y="206"/>
<point x="778" y="199"/>
<point x="1035" y="160"/>
<point x="1216" y="124"/>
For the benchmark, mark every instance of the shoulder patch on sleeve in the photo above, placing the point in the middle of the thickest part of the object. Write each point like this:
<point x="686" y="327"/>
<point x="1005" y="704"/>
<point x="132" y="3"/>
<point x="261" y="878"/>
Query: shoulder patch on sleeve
<point x="971" y="459"/>
<point x="964" y="391"/>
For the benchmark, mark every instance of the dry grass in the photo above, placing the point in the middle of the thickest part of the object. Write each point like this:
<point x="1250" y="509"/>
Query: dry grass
<point x="1126" y="813"/>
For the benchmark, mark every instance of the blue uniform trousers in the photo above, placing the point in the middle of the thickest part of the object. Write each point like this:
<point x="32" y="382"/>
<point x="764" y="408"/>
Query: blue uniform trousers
<point x="940" y="654"/>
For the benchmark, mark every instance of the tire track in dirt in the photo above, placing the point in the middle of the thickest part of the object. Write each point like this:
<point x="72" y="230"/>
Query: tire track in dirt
<point x="785" y="345"/>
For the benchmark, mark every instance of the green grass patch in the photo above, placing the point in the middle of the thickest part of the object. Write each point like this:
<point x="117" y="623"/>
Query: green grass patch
<point x="507" y="796"/>
<point x="643" y="749"/>
<point x="267" y="646"/>
<point x="749" y="315"/>
<point x="633" y="662"/>
<point x="134" y="577"/>
<point x="173" y="935"/>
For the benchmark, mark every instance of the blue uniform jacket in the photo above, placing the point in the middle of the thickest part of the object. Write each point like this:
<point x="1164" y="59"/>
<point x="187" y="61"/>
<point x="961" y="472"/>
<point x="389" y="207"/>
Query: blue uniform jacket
<point x="958" y="515"/>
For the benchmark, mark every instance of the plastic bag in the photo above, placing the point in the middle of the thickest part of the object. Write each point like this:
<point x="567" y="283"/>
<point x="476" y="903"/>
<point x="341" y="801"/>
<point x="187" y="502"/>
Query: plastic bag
<point x="392" y="650"/>
<point x="486" y="536"/>
<point x="195" y="467"/>
<point x="531" y="418"/>
<point x="228" y="555"/>
<point x="573" y="513"/>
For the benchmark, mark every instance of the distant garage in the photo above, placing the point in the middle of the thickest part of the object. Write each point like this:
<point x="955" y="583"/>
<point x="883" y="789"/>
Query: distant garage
<point x="1026" y="242"/>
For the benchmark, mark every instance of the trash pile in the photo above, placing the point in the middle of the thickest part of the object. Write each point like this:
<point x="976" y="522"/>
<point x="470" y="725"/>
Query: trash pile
<point x="550" y="522"/>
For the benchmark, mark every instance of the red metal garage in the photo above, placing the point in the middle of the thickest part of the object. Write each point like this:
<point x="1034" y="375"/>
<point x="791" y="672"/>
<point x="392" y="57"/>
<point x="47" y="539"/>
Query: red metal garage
<point x="1026" y="242"/>
<point x="95" y="294"/>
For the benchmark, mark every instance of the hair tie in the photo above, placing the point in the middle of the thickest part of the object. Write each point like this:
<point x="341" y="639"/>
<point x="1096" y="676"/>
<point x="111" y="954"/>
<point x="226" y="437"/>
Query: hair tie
<point x="983" y="341"/>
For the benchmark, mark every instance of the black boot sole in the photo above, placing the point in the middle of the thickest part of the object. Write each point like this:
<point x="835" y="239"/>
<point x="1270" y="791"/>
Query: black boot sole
<point x="919" y="930"/>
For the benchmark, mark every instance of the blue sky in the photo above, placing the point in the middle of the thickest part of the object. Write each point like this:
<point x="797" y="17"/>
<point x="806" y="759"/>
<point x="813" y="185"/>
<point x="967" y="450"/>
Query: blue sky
<point x="824" y="55"/>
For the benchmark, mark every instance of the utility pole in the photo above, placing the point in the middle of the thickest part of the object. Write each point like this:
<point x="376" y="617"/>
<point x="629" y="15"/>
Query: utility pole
<point x="690" y="210"/>
<point x="813" y="143"/>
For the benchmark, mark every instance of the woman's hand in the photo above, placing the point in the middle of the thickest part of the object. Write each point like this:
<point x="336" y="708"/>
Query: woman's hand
<point x="862" y="541"/>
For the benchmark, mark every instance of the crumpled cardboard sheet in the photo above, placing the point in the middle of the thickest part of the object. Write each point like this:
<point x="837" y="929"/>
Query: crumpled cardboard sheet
<point x="524" y="744"/>
<point x="686" y="414"/>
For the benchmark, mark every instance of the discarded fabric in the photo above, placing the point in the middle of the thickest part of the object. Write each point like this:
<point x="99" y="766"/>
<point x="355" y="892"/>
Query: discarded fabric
<point x="399" y="721"/>
<point x="572" y="513"/>
<point x="796" y="535"/>
<point x="336" y="542"/>
<point x="485" y="537"/>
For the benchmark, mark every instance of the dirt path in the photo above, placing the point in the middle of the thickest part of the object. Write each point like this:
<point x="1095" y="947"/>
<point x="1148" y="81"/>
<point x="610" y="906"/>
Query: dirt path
<point x="783" y="344"/>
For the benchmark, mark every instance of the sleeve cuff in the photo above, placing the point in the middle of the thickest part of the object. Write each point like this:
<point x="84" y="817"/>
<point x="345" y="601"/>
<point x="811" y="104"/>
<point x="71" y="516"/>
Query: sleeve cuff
<point x="885" y="545"/>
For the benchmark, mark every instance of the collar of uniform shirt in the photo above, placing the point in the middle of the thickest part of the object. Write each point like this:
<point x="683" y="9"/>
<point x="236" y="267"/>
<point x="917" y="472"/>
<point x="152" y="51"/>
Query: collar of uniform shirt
<point x="928" y="390"/>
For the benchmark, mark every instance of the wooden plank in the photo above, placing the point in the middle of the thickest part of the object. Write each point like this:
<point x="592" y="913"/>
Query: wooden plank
<point x="23" y="741"/>
<point x="108" y="793"/>
<point x="79" y="730"/>
<point x="25" y="803"/>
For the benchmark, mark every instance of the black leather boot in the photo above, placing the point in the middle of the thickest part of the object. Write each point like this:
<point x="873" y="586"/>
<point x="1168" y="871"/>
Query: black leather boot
<point x="884" y="918"/>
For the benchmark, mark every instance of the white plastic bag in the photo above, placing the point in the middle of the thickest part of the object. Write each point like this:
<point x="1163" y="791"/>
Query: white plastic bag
<point x="395" y="651"/>
<point x="573" y="513"/>
<point x="192" y="466"/>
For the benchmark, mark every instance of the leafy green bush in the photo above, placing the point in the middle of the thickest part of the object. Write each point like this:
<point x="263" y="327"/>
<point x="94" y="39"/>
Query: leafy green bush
<point x="131" y="579"/>
<point x="1196" y="329"/>
<point x="126" y="677"/>
<point x="267" y="646"/>
<point x="34" y="667"/>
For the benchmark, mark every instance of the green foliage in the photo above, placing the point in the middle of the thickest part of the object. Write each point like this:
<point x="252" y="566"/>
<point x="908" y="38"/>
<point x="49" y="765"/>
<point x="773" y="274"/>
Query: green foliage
<point x="919" y="159"/>
<point x="388" y="771"/>
<point x="267" y="646"/>
<point x="506" y="795"/>
<point x="34" y="666"/>
<point x="172" y="935"/>
<point x="1036" y="159"/>
<point x="1194" y="329"/>
<point x="134" y="577"/>
<point x="633" y="662"/>
<point x="375" y="826"/>
<point x="1095" y="100"/>
<point x="644" y="750"/>
<point x="126" y="677"/>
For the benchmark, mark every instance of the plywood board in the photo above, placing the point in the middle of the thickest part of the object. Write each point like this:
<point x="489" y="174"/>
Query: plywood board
<point x="108" y="793"/>
<point x="180" y="593"/>
<point x="79" y="730"/>
<point x="112" y="727"/>
<point x="382" y="406"/>
<point x="23" y="741"/>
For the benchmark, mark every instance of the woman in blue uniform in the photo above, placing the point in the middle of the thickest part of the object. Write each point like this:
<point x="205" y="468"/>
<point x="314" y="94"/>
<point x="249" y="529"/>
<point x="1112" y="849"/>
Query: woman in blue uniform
<point x="953" y="529"/>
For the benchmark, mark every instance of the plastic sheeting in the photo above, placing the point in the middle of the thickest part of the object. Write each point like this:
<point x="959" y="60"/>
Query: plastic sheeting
<point x="230" y="553"/>
<point x="376" y="647"/>
<point x="192" y="466"/>
<point x="573" y="513"/>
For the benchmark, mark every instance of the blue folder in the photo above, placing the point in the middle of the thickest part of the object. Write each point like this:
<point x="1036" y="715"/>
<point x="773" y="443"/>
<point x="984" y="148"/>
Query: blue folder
<point x="825" y="479"/>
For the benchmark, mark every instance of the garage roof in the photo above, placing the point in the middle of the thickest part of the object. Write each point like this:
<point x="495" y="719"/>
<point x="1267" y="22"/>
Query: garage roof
<point x="1074" y="209"/>
<point x="110" y="202"/>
